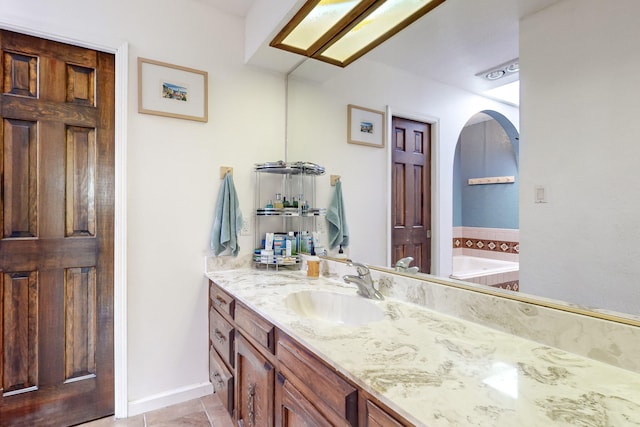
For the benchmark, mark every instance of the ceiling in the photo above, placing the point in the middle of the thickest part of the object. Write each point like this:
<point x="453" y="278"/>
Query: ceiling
<point x="451" y="44"/>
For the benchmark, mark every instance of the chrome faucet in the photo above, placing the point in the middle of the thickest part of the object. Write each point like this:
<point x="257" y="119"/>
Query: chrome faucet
<point x="402" y="266"/>
<point x="363" y="281"/>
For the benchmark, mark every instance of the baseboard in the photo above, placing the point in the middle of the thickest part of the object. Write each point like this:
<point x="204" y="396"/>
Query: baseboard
<point x="168" y="398"/>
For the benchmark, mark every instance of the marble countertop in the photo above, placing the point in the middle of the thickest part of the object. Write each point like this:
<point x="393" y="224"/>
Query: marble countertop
<point x="438" y="370"/>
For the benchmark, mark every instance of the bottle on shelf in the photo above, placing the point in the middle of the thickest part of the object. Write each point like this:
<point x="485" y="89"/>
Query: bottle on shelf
<point x="278" y="204"/>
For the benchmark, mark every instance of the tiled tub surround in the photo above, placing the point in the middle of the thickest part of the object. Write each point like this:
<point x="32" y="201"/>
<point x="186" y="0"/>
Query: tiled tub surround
<point x="491" y="243"/>
<point x="438" y="364"/>
<point x="495" y="243"/>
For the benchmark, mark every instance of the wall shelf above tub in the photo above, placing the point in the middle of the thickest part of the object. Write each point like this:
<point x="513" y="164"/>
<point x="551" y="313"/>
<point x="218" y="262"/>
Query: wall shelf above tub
<point x="492" y="180"/>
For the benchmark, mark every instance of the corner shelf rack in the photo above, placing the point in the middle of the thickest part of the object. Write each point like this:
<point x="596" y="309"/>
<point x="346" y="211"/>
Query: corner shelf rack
<point x="296" y="183"/>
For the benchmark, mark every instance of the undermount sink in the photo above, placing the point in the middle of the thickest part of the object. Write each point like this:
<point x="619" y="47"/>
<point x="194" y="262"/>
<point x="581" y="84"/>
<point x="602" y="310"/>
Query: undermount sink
<point x="334" y="307"/>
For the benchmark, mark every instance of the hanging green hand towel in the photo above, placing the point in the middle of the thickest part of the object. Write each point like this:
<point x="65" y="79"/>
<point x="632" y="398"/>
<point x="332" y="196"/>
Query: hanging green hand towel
<point x="338" y="229"/>
<point x="228" y="219"/>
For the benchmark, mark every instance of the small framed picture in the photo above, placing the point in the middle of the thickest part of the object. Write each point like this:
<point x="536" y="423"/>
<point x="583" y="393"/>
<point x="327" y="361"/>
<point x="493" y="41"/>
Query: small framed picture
<point x="365" y="126"/>
<point x="172" y="91"/>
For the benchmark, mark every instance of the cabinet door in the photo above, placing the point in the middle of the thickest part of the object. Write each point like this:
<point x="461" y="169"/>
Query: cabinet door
<point x="254" y="386"/>
<point x="376" y="417"/>
<point x="293" y="409"/>
<point x="221" y="379"/>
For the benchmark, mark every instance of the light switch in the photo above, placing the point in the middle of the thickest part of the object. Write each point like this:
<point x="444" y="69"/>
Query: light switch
<point x="541" y="194"/>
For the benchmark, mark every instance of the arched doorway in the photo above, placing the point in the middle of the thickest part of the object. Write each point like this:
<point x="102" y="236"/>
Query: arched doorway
<point x="485" y="202"/>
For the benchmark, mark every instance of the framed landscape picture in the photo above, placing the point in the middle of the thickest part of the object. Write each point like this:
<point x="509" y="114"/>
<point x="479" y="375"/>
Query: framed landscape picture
<point x="172" y="91"/>
<point x="365" y="126"/>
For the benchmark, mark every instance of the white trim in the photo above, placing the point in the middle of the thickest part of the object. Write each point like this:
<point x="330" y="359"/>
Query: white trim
<point x="436" y="236"/>
<point x="120" y="221"/>
<point x="168" y="398"/>
<point x="120" y="237"/>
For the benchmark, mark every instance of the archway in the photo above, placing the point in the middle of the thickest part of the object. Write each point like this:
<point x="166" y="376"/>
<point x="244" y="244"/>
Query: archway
<point x="485" y="202"/>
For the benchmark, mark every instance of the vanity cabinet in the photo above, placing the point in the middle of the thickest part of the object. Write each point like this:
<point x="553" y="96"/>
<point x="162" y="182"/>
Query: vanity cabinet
<point x="221" y="344"/>
<point x="377" y="417"/>
<point x="255" y="386"/>
<point x="265" y="378"/>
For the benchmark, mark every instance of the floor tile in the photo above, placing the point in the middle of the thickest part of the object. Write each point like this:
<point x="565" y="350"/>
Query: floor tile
<point x="174" y="412"/>
<point x="218" y="414"/>
<point x="203" y="412"/>
<point x="137" y="421"/>
<point x="196" y="419"/>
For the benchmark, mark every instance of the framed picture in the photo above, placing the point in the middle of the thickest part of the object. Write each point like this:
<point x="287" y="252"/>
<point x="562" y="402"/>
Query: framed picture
<point x="365" y="126"/>
<point x="172" y="91"/>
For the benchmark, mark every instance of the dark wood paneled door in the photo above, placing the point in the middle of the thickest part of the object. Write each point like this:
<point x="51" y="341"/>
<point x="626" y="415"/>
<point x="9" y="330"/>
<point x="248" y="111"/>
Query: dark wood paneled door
<point x="411" y="192"/>
<point x="56" y="247"/>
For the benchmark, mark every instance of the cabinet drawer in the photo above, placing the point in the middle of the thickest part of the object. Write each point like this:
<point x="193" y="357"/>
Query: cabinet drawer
<point x="221" y="335"/>
<point x="256" y="327"/>
<point x="319" y="380"/>
<point x="221" y="379"/>
<point x="376" y="417"/>
<point x="221" y="300"/>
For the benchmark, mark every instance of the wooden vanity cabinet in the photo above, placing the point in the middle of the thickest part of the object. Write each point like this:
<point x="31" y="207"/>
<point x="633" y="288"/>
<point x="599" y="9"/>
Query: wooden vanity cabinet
<point x="255" y="386"/>
<point x="303" y="375"/>
<point x="266" y="378"/>
<point x="374" y="416"/>
<point x="221" y="345"/>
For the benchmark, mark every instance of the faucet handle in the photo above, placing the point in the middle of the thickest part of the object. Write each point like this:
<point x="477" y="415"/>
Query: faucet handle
<point x="404" y="262"/>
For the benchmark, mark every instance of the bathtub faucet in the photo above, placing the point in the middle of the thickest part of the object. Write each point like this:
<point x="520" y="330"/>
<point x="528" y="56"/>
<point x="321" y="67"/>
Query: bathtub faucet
<point x="402" y="266"/>
<point x="363" y="281"/>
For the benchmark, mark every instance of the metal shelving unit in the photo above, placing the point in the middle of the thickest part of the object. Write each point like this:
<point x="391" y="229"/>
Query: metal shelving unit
<point x="294" y="182"/>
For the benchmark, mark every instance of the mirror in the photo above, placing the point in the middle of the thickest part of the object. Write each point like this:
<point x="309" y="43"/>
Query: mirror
<point x="580" y="247"/>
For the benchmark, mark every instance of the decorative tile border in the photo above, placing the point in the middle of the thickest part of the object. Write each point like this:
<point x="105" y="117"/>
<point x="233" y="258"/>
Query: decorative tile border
<point x="486" y="245"/>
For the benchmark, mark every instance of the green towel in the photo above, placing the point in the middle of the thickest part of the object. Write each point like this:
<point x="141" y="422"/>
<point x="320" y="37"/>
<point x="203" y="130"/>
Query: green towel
<point x="228" y="219"/>
<point x="338" y="229"/>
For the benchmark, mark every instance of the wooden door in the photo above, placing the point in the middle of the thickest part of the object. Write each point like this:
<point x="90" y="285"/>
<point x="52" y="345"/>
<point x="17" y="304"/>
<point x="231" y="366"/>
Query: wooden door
<point x="411" y="184"/>
<point x="254" y="386"/>
<point x="56" y="247"/>
<point x="294" y="410"/>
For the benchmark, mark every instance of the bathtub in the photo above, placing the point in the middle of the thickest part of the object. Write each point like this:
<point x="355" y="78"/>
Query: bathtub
<point x="466" y="267"/>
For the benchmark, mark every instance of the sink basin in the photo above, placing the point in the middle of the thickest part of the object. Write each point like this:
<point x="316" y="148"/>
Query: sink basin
<point x="334" y="307"/>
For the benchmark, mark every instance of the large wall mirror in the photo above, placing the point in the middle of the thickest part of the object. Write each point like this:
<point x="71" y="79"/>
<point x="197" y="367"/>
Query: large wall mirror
<point x="577" y="141"/>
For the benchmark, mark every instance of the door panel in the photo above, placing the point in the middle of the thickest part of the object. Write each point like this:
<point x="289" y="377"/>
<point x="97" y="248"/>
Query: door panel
<point x="411" y="183"/>
<point x="56" y="251"/>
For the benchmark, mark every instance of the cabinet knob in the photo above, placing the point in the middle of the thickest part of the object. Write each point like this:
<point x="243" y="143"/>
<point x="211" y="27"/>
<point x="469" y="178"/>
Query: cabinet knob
<point x="219" y="301"/>
<point x="219" y="337"/>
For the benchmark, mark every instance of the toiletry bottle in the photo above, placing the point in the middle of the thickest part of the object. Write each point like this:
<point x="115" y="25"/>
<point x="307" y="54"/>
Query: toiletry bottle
<point x="269" y="205"/>
<point x="294" y="246"/>
<point x="287" y="247"/>
<point x="285" y="203"/>
<point x="341" y="254"/>
<point x="278" y="203"/>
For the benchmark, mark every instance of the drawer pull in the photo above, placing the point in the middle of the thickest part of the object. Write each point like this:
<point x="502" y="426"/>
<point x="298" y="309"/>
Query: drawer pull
<point x="250" y="408"/>
<point x="219" y="337"/>
<point x="219" y="301"/>
<point x="218" y="381"/>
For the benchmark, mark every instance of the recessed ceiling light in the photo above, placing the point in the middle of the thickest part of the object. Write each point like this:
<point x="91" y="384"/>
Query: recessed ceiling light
<point x="499" y="71"/>
<point x="514" y="67"/>
<point x="495" y="75"/>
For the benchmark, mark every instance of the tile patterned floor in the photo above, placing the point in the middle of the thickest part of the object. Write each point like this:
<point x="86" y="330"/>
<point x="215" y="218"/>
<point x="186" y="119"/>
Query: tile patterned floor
<point x="203" y="412"/>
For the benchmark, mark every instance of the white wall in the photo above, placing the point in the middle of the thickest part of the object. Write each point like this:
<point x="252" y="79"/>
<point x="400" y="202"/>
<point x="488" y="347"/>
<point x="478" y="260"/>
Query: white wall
<point x="173" y="165"/>
<point x="318" y="133"/>
<point x="173" y="168"/>
<point x="580" y="74"/>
